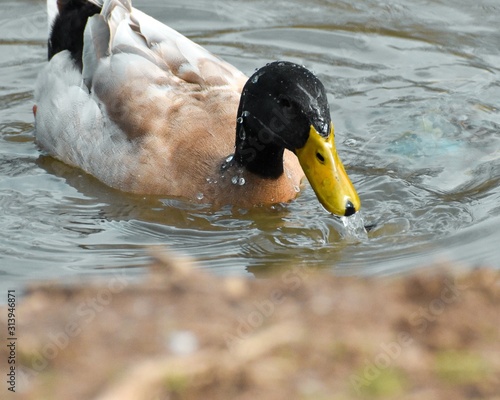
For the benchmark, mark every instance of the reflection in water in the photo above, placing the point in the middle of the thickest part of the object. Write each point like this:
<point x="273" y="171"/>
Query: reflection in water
<point x="414" y="90"/>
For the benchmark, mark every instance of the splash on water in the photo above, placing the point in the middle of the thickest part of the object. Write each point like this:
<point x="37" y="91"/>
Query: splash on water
<point x="354" y="228"/>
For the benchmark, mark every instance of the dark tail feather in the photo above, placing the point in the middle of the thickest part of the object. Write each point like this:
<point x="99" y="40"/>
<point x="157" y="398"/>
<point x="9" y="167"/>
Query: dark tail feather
<point x="69" y="25"/>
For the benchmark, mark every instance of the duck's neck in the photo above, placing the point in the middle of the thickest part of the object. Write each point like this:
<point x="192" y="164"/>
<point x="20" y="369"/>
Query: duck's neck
<point x="257" y="153"/>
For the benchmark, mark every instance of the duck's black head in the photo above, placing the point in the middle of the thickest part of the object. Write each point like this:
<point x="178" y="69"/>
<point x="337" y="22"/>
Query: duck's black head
<point x="284" y="106"/>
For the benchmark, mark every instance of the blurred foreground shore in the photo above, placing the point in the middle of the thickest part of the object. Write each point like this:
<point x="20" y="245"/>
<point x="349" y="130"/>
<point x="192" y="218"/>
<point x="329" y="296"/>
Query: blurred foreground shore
<point x="185" y="334"/>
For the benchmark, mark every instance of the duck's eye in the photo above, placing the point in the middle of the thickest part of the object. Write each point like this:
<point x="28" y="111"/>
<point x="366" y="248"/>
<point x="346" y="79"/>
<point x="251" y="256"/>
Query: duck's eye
<point x="320" y="158"/>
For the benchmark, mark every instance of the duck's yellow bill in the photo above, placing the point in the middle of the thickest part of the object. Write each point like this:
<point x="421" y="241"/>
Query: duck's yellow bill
<point x="326" y="174"/>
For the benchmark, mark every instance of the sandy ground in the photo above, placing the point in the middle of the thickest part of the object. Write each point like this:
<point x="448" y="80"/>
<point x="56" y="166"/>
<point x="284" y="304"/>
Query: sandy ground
<point x="185" y="334"/>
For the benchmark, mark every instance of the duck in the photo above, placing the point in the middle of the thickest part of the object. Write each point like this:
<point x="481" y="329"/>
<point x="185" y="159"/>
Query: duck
<point x="146" y="110"/>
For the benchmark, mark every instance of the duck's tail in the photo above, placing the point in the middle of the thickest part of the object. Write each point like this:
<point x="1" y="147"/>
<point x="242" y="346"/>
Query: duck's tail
<point x="67" y="20"/>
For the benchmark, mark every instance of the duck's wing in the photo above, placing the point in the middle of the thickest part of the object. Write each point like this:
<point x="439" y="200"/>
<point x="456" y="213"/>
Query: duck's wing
<point x="121" y="29"/>
<point x="149" y="93"/>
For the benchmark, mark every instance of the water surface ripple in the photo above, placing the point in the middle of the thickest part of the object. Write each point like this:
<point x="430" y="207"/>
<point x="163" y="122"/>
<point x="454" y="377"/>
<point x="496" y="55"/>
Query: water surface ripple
<point x="414" y="89"/>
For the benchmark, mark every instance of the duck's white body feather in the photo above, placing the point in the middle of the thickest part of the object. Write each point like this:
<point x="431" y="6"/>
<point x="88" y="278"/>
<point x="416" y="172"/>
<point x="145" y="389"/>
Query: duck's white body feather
<point x="113" y="118"/>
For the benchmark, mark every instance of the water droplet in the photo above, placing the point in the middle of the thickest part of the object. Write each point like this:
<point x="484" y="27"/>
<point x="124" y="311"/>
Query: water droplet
<point x="236" y="180"/>
<point x="239" y="120"/>
<point x="245" y="114"/>
<point x="242" y="134"/>
<point x="296" y="188"/>
<point x="255" y="78"/>
<point x="227" y="163"/>
<point x="351" y="142"/>
<point x="200" y="196"/>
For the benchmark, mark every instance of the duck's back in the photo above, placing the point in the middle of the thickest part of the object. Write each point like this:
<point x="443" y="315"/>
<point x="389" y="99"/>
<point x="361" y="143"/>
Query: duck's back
<point x="147" y="111"/>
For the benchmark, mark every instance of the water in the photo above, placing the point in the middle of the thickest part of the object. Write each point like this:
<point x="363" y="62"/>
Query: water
<point x="414" y="90"/>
